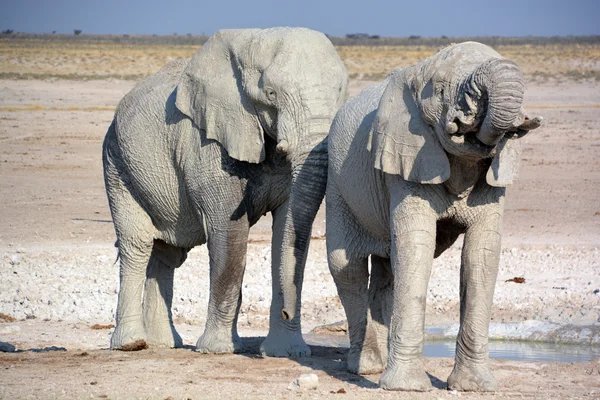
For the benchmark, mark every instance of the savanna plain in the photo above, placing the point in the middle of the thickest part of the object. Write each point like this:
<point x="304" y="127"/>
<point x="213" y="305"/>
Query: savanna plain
<point x="59" y="280"/>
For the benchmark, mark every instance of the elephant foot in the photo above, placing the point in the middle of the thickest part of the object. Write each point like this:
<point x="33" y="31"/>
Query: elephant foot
<point x="406" y="375"/>
<point x="365" y="361"/>
<point x="284" y="344"/>
<point x="163" y="334"/>
<point x="472" y="378"/>
<point x="219" y="342"/>
<point x="129" y="337"/>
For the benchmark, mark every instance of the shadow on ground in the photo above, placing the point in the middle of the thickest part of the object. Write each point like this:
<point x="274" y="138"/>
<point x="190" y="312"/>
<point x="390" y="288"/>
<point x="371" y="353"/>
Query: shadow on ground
<point x="329" y="356"/>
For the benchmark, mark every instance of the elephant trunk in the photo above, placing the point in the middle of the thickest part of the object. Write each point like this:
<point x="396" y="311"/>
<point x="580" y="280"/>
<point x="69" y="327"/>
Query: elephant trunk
<point x="309" y="179"/>
<point x="502" y="81"/>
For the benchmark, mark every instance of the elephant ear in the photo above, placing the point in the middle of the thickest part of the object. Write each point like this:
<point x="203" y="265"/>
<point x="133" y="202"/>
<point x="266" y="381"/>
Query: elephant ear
<point x="401" y="141"/>
<point x="211" y="93"/>
<point x="505" y="165"/>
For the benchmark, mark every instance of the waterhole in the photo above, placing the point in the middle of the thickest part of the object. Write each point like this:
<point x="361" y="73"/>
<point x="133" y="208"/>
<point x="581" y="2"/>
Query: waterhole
<point x="508" y="350"/>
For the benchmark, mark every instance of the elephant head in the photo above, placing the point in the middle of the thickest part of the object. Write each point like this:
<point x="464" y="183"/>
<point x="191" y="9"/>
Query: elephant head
<point x="284" y="83"/>
<point x="466" y="100"/>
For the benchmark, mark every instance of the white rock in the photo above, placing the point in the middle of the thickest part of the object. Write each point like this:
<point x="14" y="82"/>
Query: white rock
<point x="305" y="382"/>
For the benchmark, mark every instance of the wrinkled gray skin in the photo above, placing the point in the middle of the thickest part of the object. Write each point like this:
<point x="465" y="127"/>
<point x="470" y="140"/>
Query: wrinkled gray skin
<point x="197" y="153"/>
<point x="415" y="161"/>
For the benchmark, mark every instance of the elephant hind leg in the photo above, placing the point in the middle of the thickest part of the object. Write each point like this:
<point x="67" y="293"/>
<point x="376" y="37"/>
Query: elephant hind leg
<point x="158" y="295"/>
<point x="381" y="301"/>
<point x="351" y="277"/>
<point x="347" y="259"/>
<point x="134" y="231"/>
<point x="135" y="248"/>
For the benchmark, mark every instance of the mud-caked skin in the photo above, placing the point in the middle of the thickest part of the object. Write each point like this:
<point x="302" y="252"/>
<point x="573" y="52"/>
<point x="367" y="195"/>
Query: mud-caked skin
<point x="414" y="162"/>
<point x="196" y="154"/>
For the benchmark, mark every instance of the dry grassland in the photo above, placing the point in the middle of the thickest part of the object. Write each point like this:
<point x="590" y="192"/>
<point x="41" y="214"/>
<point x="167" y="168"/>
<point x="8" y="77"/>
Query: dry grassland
<point x="561" y="61"/>
<point x="84" y="60"/>
<point x="41" y="59"/>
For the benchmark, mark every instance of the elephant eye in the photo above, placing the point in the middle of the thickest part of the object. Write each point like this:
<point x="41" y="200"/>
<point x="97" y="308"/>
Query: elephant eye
<point x="271" y="94"/>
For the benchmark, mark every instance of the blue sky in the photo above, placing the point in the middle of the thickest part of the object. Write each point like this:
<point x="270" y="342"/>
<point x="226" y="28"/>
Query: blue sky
<point x="334" y="17"/>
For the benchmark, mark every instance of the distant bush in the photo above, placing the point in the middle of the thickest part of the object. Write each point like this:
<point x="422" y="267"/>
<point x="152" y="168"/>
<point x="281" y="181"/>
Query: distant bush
<point x="361" y="36"/>
<point x="77" y="32"/>
<point x="7" y="31"/>
<point x="369" y="40"/>
<point x="494" y="41"/>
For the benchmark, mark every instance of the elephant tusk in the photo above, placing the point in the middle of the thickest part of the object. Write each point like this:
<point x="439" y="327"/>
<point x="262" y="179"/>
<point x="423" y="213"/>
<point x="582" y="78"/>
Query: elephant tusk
<point x="451" y="128"/>
<point x="525" y="127"/>
<point x="530" y="124"/>
<point x="283" y="147"/>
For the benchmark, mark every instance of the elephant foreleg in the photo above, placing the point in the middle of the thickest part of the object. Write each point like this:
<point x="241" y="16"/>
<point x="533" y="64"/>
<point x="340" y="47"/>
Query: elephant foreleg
<point x="285" y="336"/>
<point x="158" y="295"/>
<point x="412" y="248"/>
<point x="479" y="269"/>
<point x="227" y="252"/>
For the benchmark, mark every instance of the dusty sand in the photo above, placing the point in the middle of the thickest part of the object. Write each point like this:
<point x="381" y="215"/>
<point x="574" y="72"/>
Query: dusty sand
<point x="57" y="269"/>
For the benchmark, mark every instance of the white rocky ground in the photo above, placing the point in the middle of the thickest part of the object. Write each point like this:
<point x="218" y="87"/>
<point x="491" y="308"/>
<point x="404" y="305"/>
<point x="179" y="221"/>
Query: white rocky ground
<point x="562" y="287"/>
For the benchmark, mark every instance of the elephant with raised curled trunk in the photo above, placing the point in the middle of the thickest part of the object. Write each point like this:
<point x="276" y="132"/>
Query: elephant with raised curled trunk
<point x="196" y="154"/>
<point x="414" y="162"/>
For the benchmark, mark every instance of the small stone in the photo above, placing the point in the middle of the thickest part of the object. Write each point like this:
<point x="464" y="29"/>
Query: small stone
<point x="6" y="347"/>
<point x="305" y="382"/>
<point x="49" y="348"/>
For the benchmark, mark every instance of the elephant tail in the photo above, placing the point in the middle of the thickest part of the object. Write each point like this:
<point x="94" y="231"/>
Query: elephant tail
<point x="110" y="161"/>
<point x="118" y="253"/>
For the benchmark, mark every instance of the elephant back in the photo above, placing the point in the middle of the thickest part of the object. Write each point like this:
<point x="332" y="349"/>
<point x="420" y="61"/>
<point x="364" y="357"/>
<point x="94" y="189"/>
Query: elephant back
<point x="353" y="119"/>
<point x="145" y="109"/>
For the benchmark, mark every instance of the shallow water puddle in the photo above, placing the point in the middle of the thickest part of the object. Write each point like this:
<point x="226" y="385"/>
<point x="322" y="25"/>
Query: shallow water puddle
<point x="521" y="351"/>
<point x="507" y="350"/>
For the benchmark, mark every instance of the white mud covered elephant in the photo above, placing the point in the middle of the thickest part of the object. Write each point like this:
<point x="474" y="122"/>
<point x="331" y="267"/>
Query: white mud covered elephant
<point x="414" y="162"/>
<point x="196" y="154"/>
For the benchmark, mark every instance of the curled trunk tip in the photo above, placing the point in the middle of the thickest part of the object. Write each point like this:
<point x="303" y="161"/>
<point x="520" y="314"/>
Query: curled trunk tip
<point x="502" y="81"/>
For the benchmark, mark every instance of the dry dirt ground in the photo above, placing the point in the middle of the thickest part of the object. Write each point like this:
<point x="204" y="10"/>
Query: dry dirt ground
<point x="52" y="197"/>
<point x="183" y="374"/>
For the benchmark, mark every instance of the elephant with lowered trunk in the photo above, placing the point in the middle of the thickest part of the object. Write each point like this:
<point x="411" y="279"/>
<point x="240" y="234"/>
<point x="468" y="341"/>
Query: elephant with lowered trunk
<point x="197" y="153"/>
<point x="414" y="162"/>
